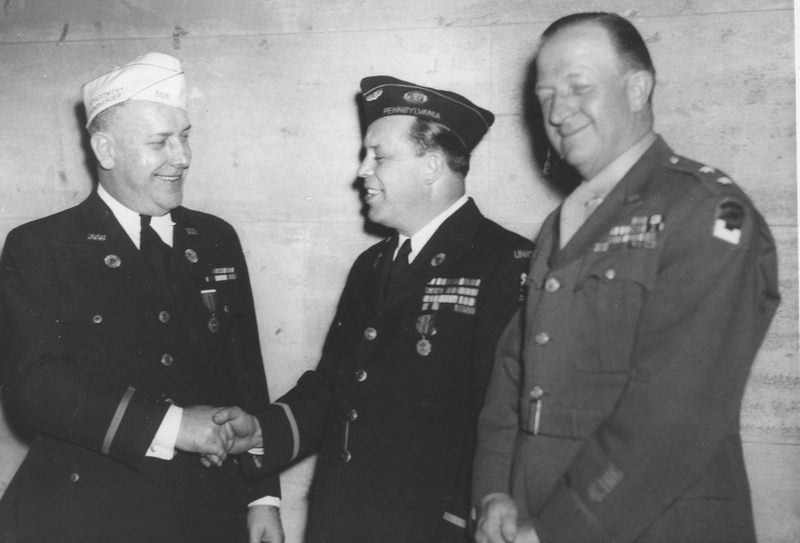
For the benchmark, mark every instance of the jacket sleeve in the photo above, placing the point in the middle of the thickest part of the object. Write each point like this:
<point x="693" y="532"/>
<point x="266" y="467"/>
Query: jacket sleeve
<point x="293" y="425"/>
<point x="251" y="379"/>
<point x="48" y="381"/>
<point x="501" y="297"/>
<point x="697" y="335"/>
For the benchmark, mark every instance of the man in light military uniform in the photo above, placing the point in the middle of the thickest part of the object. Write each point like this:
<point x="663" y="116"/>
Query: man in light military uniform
<point x="613" y="408"/>
<point x="115" y="324"/>
<point x="393" y="403"/>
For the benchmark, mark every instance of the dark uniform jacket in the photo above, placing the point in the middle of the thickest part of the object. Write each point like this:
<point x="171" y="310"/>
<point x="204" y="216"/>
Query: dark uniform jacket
<point x="613" y="408"/>
<point x="96" y="350"/>
<point x="393" y="403"/>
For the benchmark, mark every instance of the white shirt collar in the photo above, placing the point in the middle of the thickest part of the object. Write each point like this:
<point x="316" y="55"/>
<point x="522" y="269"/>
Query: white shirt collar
<point x="425" y="233"/>
<point x="608" y="178"/>
<point x="130" y="222"/>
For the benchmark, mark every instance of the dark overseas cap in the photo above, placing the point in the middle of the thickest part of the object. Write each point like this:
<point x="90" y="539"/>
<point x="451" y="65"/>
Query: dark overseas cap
<point x="385" y="95"/>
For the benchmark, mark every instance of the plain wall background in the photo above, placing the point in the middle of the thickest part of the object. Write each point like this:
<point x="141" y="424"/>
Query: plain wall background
<point x="276" y="143"/>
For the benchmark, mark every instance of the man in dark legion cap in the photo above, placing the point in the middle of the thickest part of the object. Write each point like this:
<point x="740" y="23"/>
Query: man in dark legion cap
<point x="392" y="406"/>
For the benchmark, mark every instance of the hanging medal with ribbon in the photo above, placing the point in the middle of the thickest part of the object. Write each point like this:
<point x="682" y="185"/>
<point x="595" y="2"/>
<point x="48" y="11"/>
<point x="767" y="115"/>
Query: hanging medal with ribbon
<point x="425" y="328"/>
<point x="210" y="301"/>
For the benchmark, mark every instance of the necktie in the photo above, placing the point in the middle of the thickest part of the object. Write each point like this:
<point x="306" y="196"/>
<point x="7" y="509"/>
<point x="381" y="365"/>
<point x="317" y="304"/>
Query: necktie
<point x="399" y="266"/>
<point x="154" y="250"/>
<point x="575" y="210"/>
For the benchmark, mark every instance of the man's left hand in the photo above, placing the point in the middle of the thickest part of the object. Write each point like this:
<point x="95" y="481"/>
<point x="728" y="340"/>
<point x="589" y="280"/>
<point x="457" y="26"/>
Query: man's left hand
<point x="264" y="524"/>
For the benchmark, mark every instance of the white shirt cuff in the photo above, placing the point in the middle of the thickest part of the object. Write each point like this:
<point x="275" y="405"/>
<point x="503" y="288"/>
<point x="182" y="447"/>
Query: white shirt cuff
<point x="266" y="500"/>
<point x="257" y="450"/>
<point x="163" y="445"/>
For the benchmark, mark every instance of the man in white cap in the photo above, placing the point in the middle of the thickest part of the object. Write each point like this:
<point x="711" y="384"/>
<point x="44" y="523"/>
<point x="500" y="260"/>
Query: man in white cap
<point x="121" y="316"/>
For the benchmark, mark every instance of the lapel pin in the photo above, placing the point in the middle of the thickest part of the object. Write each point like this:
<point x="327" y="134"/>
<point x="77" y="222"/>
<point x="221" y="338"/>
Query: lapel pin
<point x="438" y="259"/>
<point x="112" y="261"/>
<point x="191" y="256"/>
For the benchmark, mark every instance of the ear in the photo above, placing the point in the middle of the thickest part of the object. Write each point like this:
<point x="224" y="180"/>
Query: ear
<point x="639" y="86"/>
<point x="104" y="148"/>
<point x="434" y="166"/>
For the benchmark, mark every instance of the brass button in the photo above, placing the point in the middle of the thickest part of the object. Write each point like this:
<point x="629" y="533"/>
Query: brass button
<point x="674" y="160"/>
<point x="542" y="338"/>
<point x="97" y="319"/>
<point x="351" y="415"/>
<point x="170" y="401"/>
<point x="552" y="285"/>
<point x="361" y="375"/>
<point x="74" y="477"/>
<point x="537" y="393"/>
<point x="370" y="333"/>
<point x="346" y="456"/>
<point x="163" y="316"/>
<point x="166" y="360"/>
<point x="610" y="274"/>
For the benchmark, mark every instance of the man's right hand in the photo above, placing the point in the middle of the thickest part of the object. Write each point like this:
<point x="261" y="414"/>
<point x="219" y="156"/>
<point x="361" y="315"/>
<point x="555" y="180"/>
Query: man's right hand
<point x="497" y="519"/>
<point x="245" y="429"/>
<point x="199" y="434"/>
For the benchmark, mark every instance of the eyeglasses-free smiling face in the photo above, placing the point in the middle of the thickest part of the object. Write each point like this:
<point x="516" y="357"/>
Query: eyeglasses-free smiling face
<point x="393" y="175"/>
<point x="151" y="156"/>
<point x="584" y="92"/>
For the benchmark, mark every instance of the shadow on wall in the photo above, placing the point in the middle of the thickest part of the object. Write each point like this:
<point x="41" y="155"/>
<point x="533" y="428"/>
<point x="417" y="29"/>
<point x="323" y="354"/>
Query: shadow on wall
<point x="556" y="173"/>
<point x="88" y="155"/>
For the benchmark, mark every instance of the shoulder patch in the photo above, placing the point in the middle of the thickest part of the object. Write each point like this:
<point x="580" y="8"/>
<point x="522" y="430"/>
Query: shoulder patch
<point x="728" y="220"/>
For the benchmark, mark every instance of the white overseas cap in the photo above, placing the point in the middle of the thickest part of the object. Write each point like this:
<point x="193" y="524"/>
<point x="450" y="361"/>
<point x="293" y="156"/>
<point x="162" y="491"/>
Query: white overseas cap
<point x="155" y="77"/>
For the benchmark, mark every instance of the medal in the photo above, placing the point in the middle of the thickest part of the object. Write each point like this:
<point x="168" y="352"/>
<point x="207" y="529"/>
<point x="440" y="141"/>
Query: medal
<point x="424" y="347"/>
<point x="213" y="324"/>
<point x="425" y="328"/>
<point x="210" y="299"/>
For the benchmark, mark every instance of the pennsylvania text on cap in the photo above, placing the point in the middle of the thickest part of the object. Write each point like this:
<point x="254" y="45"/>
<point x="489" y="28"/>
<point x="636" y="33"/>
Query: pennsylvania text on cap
<point x="385" y="95"/>
<point x="154" y="77"/>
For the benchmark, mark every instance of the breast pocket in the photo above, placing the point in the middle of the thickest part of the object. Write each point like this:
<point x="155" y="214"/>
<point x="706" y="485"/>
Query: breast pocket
<point x="610" y="293"/>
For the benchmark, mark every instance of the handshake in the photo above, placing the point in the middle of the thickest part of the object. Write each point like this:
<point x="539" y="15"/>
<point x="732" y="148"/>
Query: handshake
<point x="217" y="432"/>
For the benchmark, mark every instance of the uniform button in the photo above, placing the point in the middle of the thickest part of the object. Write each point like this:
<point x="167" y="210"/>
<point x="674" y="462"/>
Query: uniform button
<point x="170" y="401"/>
<point x="351" y="415"/>
<point x="552" y="285"/>
<point x="370" y="333"/>
<point x="346" y="456"/>
<point x="537" y="393"/>
<point x="74" y="477"/>
<point x="361" y="375"/>
<point x="166" y="360"/>
<point x="610" y="274"/>
<point x="97" y="319"/>
<point x="542" y="338"/>
<point x="226" y="309"/>
<point x="674" y="160"/>
<point x="163" y="316"/>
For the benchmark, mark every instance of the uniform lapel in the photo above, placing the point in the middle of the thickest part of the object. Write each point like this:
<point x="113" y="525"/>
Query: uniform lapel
<point x="450" y="242"/>
<point x="110" y="252"/>
<point x="189" y="254"/>
<point x="626" y="194"/>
